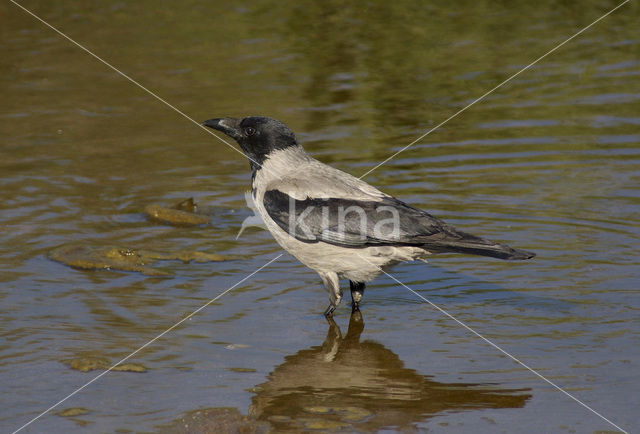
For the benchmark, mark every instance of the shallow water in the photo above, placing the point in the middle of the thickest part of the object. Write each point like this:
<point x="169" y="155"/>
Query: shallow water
<point x="548" y="163"/>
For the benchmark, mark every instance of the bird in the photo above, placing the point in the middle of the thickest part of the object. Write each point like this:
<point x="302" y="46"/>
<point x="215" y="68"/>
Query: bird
<point x="334" y="223"/>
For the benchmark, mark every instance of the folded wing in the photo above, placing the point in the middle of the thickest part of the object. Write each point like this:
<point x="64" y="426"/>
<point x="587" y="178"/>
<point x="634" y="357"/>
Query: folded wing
<point x="364" y="223"/>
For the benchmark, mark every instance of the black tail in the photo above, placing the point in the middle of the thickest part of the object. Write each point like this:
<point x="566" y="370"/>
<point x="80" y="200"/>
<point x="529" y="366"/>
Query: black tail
<point x="500" y="251"/>
<point x="472" y="245"/>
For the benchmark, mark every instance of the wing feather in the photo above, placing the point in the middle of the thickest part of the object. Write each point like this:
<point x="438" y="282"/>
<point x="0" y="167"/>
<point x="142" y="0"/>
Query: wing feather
<point x="379" y="221"/>
<point x="352" y="223"/>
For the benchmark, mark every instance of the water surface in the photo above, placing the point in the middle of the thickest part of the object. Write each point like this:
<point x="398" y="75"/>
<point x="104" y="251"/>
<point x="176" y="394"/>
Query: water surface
<point x="548" y="163"/>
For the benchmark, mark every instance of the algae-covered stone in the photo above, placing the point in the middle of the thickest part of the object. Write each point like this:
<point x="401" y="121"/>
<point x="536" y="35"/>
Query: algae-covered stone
<point x="72" y="412"/>
<point x="86" y="364"/>
<point x="91" y="363"/>
<point x="188" y="205"/>
<point x="130" y="367"/>
<point x="125" y="259"/>
<point x="184" y="213"/>
<point x="105" y="258"/>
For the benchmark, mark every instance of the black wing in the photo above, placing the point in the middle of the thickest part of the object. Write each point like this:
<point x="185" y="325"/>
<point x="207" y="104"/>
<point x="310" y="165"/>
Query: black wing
<point x="351" y="223"/>
<point x="389" y="221"/>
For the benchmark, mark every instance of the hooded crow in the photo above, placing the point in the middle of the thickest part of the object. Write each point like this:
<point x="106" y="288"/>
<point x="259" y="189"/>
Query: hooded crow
<point x="334" y="223"/>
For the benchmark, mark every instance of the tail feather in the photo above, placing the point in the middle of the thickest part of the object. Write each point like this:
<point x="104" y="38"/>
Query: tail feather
<point x="500" y="251"/>
<point x="470" y="244"/>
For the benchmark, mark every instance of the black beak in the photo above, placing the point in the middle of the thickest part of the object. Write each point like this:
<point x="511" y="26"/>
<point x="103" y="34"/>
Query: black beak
<point x="229" y="126"/>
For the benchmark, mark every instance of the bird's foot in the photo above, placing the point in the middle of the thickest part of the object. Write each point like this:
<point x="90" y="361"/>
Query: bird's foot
<point x="357" y="291"/>
<point x="329" y="311"/>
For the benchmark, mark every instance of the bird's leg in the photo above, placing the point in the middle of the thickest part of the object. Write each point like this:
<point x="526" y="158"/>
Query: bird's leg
<point x="356" y="326"/>
<point x="357" y="291"/>
<point x="331" y="344"/>
<point x="332" y="285"/>
<point x="328" y="312"/>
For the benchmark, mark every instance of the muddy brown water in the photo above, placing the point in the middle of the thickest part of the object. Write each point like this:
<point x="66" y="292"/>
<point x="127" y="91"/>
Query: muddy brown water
<point x="548" y="163"/>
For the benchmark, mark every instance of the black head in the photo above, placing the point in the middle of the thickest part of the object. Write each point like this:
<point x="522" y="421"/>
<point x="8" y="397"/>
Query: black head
<point x="258" y="136"/>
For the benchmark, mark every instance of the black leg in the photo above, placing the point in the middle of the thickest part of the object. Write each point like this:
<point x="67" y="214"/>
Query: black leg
<point x="328" y="313"/>
<point x="357" y="291"/>
<point x="356" y="326"/>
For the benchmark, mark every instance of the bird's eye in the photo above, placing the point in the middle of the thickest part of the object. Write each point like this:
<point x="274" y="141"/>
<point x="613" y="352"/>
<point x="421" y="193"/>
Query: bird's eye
<point x="249" y="131"/>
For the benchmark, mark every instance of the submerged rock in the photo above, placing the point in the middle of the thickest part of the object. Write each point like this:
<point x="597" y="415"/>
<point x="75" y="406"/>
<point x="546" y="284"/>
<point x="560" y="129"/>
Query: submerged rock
<point x="130" y="367"/>
<point x="72" y="412"/>
<point x="104" y="258"/>
<point x="185" y="213"/>
<point x="125" y="259"/>
<point x="86" y="364"/>
<point x="92" y="363"/>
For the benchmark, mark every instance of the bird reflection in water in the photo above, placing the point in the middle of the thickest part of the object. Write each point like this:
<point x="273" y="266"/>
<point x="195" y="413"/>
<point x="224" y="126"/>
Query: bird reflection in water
<point x="345" y="384"/>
